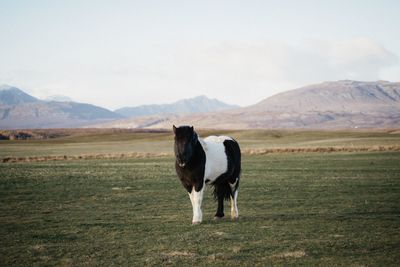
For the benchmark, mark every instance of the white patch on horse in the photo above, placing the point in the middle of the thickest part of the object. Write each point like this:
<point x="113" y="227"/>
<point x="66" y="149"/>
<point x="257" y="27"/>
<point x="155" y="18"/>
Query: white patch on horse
<point x="216" y="160"/>
<point x="233" y="186"/>
<point x="196" y="198"/>
<point x="234" y="208"/>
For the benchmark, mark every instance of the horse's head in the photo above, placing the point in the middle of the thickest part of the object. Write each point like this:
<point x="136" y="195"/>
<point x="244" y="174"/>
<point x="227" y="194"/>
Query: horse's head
<point x="185" y="142"/>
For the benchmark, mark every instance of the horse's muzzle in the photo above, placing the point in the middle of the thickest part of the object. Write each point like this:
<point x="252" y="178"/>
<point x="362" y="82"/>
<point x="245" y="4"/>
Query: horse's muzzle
<point x="181" y="161"/>
<point x="182" y="165"/>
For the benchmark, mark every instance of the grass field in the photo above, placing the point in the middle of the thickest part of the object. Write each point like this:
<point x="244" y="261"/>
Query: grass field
<point x="315" y="209"/>
<point x="104" y="142"/>
<point x="339" y="209"/>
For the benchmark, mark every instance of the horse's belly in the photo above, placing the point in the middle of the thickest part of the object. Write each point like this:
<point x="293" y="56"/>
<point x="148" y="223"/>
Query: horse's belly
<point x="216" y="161"/>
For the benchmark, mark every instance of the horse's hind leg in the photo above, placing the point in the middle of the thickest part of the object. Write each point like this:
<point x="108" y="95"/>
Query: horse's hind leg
<point x="234" y="208"/>
<point x="221" y="190"/>
<point x="234" y="196"/>
<point x="220" y="210"/>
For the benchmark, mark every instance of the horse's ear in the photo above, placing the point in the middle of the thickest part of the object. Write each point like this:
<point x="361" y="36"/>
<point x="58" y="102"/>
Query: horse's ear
<point x="174" y="128"/>
<point x="191" y="128"/>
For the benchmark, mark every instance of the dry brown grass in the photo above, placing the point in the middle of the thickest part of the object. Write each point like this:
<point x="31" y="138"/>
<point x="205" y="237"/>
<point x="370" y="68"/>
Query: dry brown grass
<point x="292" y="254"/>
<point x="179" y="254"/>
<point x="84" y="157"/>
<point x="320" y="149"/>
<point x="244" y="152"/>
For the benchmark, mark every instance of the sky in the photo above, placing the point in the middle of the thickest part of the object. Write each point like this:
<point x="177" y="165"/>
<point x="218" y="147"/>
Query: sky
<point x="128" y="53"/>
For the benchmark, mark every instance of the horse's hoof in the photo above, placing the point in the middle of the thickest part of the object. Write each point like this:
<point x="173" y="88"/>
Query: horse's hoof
<point x="235" y="219"/>
<point x="217" y="218"/>
<point x="196" y="223"/>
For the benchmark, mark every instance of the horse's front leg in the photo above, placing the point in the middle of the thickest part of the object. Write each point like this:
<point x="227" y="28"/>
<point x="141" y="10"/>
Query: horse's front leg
<point x="196" y="197"/>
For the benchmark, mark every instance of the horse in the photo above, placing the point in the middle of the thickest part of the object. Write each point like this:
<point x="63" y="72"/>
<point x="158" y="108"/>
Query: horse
<point x="215" y="161"/>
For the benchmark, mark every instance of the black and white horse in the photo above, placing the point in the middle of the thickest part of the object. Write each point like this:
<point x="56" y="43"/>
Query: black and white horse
<point x="215" y="160"/>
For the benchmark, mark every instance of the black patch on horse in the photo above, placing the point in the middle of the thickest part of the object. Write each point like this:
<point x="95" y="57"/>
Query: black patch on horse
<point x="222" y="187"/>
<point x="192" y="174"/>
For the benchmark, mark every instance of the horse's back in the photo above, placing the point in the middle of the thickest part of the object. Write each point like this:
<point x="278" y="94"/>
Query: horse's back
<point x="217" y="139"/>
<point x="219" y="150"/>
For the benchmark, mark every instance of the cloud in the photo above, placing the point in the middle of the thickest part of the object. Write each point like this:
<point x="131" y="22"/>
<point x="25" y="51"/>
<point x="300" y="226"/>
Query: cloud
<point x="252" y="71"/>
<point x="236" y="72"/>
<point x="356" y="58"/>
<point x="360" y="58"/>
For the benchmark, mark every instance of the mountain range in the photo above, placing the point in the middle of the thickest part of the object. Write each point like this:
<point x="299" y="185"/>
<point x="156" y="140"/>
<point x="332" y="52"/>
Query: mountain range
<point x="328" y="105"/>
<point x="20" y="110"/>
<point x="199" y="104"/>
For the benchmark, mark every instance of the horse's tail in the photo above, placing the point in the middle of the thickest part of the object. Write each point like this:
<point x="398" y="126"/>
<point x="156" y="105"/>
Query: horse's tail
<point x="226" y="186"/>
<point x="222" y="190"/>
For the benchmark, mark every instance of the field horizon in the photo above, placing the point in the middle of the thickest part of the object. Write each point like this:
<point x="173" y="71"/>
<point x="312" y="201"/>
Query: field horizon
<point x="92" y="143"/>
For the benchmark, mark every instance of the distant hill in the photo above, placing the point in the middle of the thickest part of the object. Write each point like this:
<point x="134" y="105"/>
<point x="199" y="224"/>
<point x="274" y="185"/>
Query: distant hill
<point x="339" y="104"/>
<point x="341" y="96"/>
<point x="59" y="98"/>
<point x="20" y="110"/>
<point x="199" y="104"/>
<point x="10" y="95"/>
<point x="328" y="105"/>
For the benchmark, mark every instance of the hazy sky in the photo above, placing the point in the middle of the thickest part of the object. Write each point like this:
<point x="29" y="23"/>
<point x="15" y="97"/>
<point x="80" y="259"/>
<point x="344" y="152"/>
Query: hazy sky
<point x="125" y="53"/>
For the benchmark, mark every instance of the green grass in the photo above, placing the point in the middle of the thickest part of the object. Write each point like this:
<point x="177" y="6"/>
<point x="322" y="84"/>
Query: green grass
<point x="337" y="209"/>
